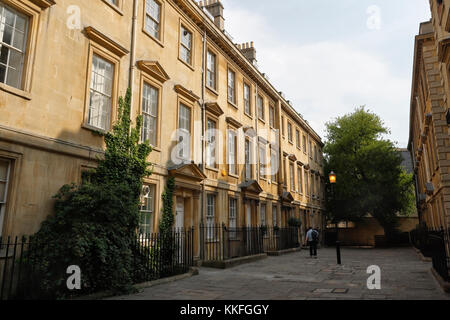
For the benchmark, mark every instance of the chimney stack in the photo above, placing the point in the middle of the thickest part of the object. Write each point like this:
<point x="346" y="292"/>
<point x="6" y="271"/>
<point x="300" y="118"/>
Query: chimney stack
<point x="215" y="7"/>
<point x="249" y="51"/>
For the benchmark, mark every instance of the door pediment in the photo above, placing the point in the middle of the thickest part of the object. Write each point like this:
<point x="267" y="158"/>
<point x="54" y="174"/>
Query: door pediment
<point x="187" y="171"/>
<point x="251" y="189"/>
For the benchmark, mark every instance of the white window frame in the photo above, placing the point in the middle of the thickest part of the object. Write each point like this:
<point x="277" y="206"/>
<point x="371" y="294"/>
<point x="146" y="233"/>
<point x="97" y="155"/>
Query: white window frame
<point x="22" y="52"/>
<point x="147" y="115"/>
<point x="248" y="160"/>
<point x="274" y="164"/>
<point x="186" y="46"/>
<point x="260" y="105"/>
<point x="272" y="116"/>
<point x="232" y="152"/>
<point x="210" y="216"/>
<point x="231" y="86"/>
<point x="211" y="70"/>
<point x="211" y="143"/>
<point x="148" y="15"/>
<point x="109" y="96"/>
<point x="292" y="175"/>
<point x="247" y="99"/>
<point x="150" y="197"/>
<point x="184" y="138"/>
<point x="262" y="159"/>
<point x="300" y="179"/>
<point x="290" y="133"/>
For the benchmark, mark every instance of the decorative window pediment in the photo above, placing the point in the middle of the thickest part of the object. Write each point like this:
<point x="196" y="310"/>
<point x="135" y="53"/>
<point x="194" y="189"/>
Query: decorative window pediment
<point x="44" y="4"/>
<point x="154" y="69"/>
<point x="214" y="108"/>
<point x="262" y="140"/>
<point x="292" y="157"/>
<point x="188" y="94"/>
<point x="234" y="122"/>
<point x="106" y="42"/>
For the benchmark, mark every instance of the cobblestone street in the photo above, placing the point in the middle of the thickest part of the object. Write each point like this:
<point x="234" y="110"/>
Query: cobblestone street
<point x="298" y="277"/>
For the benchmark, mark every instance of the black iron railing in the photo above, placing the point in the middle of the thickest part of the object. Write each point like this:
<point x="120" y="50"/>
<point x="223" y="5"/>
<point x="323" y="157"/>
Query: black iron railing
<point x="439" y="255"/>
<point x="219" y="243"/>
<point x="420" y="238"/>
<point x="155" y="256"/>
<point x="162" y="255"/>
<point x="434" y="243"/>
<point x="277" y="239"/>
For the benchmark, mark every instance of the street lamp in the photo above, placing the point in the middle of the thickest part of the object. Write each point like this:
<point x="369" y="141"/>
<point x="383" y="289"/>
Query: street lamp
<point x="333" y="179"/>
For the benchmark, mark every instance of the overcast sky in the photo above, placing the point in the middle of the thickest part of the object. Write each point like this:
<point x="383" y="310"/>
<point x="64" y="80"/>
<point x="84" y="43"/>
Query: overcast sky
<point x="331" y="56"/>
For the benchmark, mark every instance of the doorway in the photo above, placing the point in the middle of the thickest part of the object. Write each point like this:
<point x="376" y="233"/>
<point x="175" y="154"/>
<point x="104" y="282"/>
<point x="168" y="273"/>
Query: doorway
<point x="179" y="218"/>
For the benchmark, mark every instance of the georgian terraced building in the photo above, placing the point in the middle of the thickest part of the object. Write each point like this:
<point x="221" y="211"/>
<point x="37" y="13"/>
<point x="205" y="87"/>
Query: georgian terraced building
<point x="65" y="63"/>
<point x="430" y="117"/>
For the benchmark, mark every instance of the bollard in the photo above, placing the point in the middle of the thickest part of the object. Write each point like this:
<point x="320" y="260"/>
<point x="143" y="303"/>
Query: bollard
<point x="338" y="252"/>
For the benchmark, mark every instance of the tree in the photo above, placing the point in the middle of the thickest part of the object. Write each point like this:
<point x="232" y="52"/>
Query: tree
<point x="370" y="176"/>
<point x="95" y="223"/>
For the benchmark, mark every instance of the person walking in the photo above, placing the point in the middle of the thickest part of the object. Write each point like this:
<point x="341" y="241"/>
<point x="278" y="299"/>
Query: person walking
<point x="312" y="238"/>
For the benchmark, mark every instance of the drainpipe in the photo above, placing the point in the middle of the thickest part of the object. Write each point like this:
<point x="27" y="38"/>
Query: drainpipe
<point x="258" y="164"/>
<point x="133" y="50"/>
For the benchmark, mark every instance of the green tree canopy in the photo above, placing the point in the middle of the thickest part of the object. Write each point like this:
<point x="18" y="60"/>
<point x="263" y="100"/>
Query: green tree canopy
<point x="370" y="178"/>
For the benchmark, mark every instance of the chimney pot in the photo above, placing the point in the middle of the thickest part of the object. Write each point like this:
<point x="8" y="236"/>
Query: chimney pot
<point x="249" y="51"/>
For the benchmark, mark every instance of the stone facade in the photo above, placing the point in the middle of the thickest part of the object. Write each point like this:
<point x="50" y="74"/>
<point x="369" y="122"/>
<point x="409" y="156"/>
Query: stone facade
<point x="185" y="73"/>
<point x="429" y="140"/>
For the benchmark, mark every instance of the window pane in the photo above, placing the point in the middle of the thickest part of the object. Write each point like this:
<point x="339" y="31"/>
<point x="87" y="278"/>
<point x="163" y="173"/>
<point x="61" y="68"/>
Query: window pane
<point x="152" y="27"/>
<point x="147" y="209"/>
<point x="101" y="91"/>
<point x="150" y="100"/>
<point x="4" y="170"/>
<point x="13" y="28"/>
<point x="210" y="207"/>
<point x="211" y="144"/>
<point x="185" y="55"/>
<point x="263" y="215"/>
<point x="2" y="192"/>
<point x="15" y="66"/>
<point x="7" y="34"/>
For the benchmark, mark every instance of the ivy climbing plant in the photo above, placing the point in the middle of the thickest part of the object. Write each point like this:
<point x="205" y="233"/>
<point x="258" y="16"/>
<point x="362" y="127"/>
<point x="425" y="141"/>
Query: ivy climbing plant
<point x="95" y="223"/>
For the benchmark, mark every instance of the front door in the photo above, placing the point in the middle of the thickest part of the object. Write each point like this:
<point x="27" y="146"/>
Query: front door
<point x="179" y="218"/>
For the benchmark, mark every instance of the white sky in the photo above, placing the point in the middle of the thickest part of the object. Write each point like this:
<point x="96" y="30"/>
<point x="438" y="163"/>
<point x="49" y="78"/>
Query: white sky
<point x="328" y="57"/>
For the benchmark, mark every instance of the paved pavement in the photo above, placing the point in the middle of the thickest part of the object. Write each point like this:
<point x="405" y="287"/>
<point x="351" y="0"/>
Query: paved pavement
<point x="298" y="277"/>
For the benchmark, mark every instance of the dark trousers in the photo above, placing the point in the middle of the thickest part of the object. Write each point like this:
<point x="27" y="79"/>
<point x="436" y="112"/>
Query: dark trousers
<point x="313" y="248"/>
